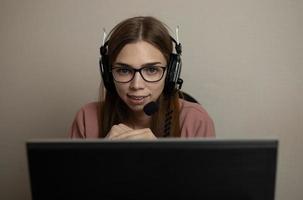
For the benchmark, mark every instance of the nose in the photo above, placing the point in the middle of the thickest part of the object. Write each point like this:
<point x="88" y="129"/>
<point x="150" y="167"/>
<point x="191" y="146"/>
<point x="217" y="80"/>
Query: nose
<point x="137" y="82"/>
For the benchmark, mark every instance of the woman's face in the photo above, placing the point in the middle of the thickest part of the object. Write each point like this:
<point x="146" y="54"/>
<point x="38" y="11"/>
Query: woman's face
<point x="137" y="93"/>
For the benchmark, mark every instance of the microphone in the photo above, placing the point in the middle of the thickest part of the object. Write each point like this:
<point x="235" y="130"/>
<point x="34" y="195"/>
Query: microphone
<point x="151" y="108"/>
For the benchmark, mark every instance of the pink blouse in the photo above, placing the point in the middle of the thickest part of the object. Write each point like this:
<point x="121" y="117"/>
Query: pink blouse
<point x="194" y="121"/>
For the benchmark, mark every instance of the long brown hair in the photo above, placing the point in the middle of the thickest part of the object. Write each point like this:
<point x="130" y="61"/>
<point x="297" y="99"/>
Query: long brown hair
<point x="113" y="110"/>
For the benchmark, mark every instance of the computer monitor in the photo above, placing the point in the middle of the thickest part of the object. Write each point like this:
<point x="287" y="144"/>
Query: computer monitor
<point x="162" y="169"/>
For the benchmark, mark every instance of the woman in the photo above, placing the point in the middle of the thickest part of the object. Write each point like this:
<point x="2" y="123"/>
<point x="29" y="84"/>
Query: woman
<point x="138" y="66"/>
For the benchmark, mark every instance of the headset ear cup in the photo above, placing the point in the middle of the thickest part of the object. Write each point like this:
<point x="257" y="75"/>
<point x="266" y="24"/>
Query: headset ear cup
<point x="105" y="73"/>
<point x="172" y="74"/>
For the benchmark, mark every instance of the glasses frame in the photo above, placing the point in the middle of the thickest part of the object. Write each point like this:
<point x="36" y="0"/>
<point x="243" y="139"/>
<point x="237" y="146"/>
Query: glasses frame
<point x="140" y="72"/>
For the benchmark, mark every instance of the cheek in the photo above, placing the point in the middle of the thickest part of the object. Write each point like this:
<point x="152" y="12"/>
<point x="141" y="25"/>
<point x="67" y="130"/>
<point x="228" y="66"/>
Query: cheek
<point x="162" y="85"/>
<point x="120" y="88"/>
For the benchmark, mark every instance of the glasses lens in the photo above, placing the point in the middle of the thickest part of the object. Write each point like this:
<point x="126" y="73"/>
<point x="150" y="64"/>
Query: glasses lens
<point x="152" y="73"/>
<point x="122" y="74"/>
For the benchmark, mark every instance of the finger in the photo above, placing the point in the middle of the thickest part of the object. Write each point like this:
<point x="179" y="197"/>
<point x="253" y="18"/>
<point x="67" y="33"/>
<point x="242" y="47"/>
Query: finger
<point x="117" y="130"/>
<point x="136" y="134"/>
<point x="124" y="127"/>
<point x="127" y="136"/>
<point x="114" y="131"/>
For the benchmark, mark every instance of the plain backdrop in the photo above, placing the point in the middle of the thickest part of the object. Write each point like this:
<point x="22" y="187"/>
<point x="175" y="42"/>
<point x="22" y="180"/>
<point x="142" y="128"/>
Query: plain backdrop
<point x="242" y="59"/>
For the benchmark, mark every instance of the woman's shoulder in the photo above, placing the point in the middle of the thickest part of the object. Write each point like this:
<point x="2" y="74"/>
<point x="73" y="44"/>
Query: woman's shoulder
<point x="91" y="107"/>
<point x="86" y="123"/>
<point x="187" y="107"/>
<point x="90" y="111"/>
<point x="195" y="120"/>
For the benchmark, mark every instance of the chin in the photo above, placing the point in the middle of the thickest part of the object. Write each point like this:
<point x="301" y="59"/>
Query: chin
<point x="136" y="108"/>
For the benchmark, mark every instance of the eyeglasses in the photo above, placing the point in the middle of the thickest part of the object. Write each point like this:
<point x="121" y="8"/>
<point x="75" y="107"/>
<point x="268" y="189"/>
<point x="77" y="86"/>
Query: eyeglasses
<point x="149" y="73"/>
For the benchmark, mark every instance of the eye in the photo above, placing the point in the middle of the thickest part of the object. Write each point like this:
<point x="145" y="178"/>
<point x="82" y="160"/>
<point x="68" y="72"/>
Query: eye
<point x="122" y="71"/>
<point x="151" y="70"/>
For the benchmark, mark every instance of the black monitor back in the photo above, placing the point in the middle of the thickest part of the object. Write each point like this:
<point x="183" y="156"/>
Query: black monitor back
<point x="164" y="169"/>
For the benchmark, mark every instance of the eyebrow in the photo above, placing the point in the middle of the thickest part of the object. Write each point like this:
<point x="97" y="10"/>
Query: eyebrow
<point x="144" y="65"/>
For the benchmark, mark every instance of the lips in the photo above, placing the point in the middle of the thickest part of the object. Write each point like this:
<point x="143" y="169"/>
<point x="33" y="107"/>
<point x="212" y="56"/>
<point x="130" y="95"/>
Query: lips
<point x="136" y="99"/>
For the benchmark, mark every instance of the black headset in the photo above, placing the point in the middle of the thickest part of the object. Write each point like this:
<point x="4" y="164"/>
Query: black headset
<point x="173" y="81"/>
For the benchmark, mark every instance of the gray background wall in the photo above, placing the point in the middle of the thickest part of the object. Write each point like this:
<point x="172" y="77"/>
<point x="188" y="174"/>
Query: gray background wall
<point x="242" y="60"/>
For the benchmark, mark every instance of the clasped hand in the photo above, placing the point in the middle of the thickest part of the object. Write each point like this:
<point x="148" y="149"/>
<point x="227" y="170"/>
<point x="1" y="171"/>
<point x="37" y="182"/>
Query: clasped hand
<point x="121" y="131"/>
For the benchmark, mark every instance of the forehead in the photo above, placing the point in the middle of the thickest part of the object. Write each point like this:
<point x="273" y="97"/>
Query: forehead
<point x="139" y="53"/>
